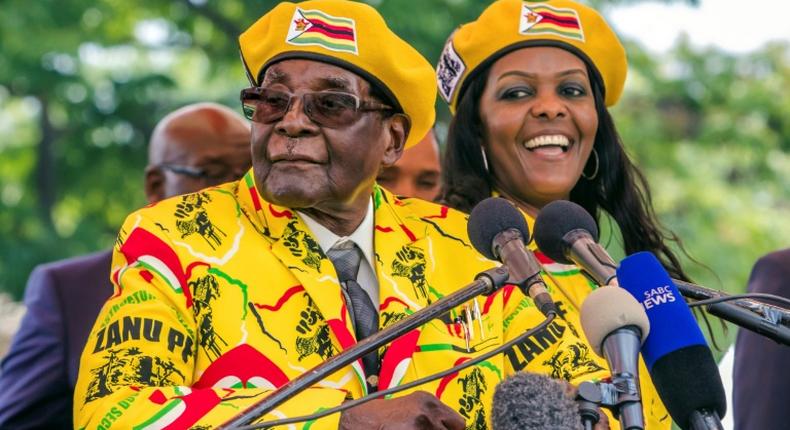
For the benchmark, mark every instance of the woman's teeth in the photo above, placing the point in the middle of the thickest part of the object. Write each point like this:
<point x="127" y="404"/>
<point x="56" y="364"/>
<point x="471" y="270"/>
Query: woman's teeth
<point x="556" y="141"/>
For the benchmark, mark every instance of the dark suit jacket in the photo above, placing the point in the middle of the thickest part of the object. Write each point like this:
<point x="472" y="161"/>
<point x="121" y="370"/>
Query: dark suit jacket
<point x="37" y="376"/>
<point x="761" y="378"/>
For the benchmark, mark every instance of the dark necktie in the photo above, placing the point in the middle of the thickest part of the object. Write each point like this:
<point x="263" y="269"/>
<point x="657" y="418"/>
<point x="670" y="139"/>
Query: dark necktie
<point x="346" y="258"/>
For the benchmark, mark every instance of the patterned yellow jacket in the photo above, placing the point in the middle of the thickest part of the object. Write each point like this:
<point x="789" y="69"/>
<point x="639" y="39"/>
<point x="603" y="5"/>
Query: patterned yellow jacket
<point x="221" y="297"/>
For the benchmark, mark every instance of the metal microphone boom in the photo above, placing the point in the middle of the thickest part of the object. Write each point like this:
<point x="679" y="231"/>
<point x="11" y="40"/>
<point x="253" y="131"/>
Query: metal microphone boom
<point x="770" y="312"/>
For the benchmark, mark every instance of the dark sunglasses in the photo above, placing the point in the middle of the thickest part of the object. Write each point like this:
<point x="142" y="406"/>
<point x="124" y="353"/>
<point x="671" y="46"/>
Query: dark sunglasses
<point x="326" y="108"/>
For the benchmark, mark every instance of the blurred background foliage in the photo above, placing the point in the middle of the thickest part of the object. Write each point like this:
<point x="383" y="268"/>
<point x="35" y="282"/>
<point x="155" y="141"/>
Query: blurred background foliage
<point x="83" y="82"/>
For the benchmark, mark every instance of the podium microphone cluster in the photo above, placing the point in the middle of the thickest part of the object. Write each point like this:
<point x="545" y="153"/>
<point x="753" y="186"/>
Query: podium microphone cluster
<point x="613" y="321"/>
<point x="678" y="358"/>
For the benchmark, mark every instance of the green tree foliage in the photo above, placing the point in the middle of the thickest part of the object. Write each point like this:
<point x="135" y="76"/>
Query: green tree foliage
<point x="83" y="82"/>
<point x="711" y="130"/>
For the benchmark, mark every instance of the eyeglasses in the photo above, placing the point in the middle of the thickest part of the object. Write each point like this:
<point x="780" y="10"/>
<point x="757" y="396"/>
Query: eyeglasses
<point x="326" y="108"/>
<point x="211" y="174"/>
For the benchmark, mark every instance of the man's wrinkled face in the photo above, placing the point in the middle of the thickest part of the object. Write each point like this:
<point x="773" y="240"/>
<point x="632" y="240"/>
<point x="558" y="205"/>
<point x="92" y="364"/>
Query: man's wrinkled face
<point x="299" y="163"/>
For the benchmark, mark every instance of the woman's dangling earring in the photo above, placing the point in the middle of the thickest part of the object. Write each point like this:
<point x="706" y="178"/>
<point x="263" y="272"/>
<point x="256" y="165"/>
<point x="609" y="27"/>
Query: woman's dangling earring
<point x="485" y="159"/>
<point x="594" y="173"/>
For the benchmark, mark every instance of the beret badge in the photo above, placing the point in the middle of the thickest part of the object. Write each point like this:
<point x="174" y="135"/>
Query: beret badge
<point x="449" y="71"/>
<point x="313" y="27"/>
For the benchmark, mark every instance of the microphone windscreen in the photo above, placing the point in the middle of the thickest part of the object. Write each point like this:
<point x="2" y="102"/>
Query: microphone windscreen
<point x="607" y="309"/>
<point x="673" y="325"/>
<point x="532" y="401"/>
<point x="491" y="217"/>
<point x="680" y="363"/>
<point x="688" y="380"/>
<point x="557" y="219"/>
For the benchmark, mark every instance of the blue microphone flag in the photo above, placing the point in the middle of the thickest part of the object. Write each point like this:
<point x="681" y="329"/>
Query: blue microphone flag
<point x="672" y="326"/>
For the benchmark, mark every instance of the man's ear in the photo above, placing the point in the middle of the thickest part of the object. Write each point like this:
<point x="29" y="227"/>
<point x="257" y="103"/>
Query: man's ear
<point x="398" y="127"/>
<point x="154" y="184"/>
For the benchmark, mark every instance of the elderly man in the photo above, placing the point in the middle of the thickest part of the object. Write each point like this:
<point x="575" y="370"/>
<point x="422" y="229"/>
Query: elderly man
<point x="224" y="295"/>
<point x="194" y="147"/>
<point x="417" y="173"/>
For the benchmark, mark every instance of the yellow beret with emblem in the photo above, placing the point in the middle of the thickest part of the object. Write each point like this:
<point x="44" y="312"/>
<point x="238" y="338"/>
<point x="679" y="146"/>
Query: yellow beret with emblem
<point x="350" y="35"/>
<point x="507" y="25"/>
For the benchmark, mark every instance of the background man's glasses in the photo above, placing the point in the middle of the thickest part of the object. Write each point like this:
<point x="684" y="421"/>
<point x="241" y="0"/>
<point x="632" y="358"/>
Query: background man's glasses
<point x="326" y="108"/>
<point x="210" y="174"/>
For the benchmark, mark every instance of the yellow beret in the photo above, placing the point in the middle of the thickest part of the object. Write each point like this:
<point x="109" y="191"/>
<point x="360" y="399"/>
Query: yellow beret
<point x="508" y="25"/>
<point x="350" y="35"/>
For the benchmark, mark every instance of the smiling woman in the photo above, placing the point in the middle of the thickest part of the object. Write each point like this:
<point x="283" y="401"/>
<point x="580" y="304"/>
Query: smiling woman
<point x="531" y="120"/>
<point x="531" y="125"/>
<point x="540" y="123"/>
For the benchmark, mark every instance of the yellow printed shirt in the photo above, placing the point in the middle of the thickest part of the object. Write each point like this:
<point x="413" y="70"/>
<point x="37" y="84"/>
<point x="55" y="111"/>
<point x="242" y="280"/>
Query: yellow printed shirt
<point x="221" y="297"/>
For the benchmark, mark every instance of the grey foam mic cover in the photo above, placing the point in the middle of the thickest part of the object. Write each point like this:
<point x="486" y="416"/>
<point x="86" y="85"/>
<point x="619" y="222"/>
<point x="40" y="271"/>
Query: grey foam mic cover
<point x="531" y="401"/>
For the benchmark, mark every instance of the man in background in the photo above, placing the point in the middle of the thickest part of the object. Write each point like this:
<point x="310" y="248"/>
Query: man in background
<point x="761" y="375"/>
<point x="417" y="173"/>
<point x="194" y="147"/>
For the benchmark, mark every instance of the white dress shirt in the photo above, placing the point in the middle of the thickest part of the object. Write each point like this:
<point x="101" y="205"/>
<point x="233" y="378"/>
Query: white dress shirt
<point x="362" y="237"/>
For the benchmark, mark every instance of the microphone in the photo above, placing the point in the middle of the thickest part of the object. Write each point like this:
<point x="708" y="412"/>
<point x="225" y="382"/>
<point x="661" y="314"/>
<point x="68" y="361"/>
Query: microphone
<point x="532" y="401"/>
<point x="615" y="326"/>
<point x="678" y="358"/>
<point x="498" y="231"/>
<point x="567" y="234"/>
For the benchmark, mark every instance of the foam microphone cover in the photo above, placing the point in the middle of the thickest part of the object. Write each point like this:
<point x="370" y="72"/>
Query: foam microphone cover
<point x="554" y="221"/>
<point x="680" y="363"/>
<point x="491" y="217"/>
<point x="532" y="401"/>
<point x="607" y="309"/>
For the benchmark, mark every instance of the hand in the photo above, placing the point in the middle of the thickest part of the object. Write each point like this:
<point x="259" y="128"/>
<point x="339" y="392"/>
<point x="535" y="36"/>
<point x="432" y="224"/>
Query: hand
<point x="416" y="411"/>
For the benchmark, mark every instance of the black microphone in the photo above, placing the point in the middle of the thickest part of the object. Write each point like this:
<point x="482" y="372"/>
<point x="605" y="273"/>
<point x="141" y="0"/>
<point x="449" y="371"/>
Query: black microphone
<point x="567" y="234"/>
<point x="615" y="326"/>
<point x="532" y="401"/>
<point x="498" y="231"/>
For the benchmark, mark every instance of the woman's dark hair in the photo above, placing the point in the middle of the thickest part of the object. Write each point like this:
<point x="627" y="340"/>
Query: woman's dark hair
<point x="618" y="188"/>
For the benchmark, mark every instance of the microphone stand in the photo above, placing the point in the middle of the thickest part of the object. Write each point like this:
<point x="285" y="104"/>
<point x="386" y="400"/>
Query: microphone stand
<point x="765" y="326"/>
<point x="589" y="398"/>
<point x="610" y="395"/>
<point x="698" y="292"/>
<point x="622" y="393"/>
<point x="591" y="395"/>
<point x="764" y="319"/>
<point x="705" y="420"/>
<point x="485" y="283"/>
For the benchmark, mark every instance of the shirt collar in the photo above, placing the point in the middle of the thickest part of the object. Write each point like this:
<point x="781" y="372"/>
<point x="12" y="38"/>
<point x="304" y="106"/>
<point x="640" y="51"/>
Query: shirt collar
<point x="362" y="236"/>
